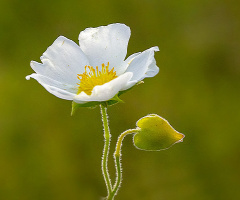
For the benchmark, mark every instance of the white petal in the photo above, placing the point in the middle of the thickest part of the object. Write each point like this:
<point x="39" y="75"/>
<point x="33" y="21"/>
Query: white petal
<point x="143" y="65"/>
<point x="129" y="84"/>
<point x="124" y="65"/>
<point x="62" y="61"/>
<point x="105" y="44"/>
<point x="106" y="91"/>
<point x="61" y="90"/>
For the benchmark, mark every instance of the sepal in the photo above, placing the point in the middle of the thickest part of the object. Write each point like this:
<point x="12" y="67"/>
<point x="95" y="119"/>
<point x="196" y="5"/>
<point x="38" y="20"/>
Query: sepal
<point x="93" y="104"/>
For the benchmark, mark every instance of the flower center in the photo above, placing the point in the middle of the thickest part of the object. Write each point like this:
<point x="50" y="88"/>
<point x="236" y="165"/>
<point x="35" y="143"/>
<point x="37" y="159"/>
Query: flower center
<point x="92" y="77"/>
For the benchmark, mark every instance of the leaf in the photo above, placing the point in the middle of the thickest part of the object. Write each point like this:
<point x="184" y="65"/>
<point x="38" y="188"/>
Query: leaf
<point x="155" y="134"/>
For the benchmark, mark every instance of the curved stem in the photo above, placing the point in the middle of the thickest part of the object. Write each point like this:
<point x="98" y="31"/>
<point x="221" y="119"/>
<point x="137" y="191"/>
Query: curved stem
<point x="107" y="138"/>
<point x="117" y="158"/>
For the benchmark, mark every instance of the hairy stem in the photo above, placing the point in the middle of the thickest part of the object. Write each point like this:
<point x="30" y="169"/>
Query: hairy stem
<point x="107" y="138"/>
<point x="117" y="158"/>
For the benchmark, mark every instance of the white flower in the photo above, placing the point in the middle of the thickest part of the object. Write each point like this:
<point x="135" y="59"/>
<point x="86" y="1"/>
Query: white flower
<point x="95" y="70"/>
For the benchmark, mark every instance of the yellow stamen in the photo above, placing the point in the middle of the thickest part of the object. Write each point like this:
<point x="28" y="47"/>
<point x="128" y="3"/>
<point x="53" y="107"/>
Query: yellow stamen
<point x="92" y="77"/>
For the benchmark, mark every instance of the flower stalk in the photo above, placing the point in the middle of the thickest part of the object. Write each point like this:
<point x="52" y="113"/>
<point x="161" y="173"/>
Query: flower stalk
<point x="107" y="139"/>
<point x="112" y="191"/>
<point x="118" y="165"/>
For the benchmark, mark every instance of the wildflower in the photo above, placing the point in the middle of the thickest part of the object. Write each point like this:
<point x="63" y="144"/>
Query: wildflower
<point x="95" y="71"/>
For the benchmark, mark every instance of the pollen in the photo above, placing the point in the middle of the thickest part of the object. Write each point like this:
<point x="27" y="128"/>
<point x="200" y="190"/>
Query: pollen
<point x="93" y="77"/>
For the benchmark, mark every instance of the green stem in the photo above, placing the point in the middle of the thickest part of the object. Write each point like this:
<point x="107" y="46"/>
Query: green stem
<point x="107" y="137"/>
<point x="117" y="158"/>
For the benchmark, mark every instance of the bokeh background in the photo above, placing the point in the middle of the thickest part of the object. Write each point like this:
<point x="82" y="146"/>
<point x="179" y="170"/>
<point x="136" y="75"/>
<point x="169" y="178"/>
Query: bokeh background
<point x="45" y="154"/>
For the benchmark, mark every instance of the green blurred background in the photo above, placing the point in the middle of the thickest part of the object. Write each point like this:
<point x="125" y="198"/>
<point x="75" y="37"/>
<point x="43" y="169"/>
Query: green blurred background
<point x="45" y="154"/>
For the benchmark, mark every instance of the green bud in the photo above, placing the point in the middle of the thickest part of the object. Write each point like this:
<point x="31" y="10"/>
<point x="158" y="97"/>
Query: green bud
<point x="155" y="134"/>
